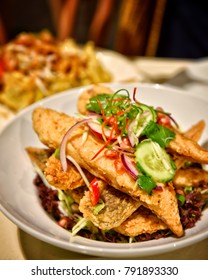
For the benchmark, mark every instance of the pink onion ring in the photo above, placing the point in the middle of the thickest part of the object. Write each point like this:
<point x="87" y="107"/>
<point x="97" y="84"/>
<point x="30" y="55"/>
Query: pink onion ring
<point x="129" y="166"/>
<point x="134" y="96"/>
<point x="132" y="137"/>
<point x="173" y="120"/>
<point x="160" y="110"/>
<point x="63" y="159"/>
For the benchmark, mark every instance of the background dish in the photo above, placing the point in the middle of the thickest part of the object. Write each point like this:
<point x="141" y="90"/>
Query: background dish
<point x="112" y="61"/>
<point x="198" y="70"/>
<point x="159" y="69"/>
<point x="121" y="68"/>
<point x="18" y="199"/>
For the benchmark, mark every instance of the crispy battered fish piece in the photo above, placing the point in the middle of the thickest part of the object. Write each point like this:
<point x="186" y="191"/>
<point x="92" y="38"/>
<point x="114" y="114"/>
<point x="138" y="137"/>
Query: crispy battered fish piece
<point x="114" y="200"/>
<point x="194" y="133"/>
<point x="63" y="180"/>
<point x="184" y="146"/>
<point x="39" y="156"/>
<point x="190" y="177"/>
<point x="86" y="95"/>
<point x="141" y="221"/>
<point x="51" y="126"/>
<point x="118" y="207"/>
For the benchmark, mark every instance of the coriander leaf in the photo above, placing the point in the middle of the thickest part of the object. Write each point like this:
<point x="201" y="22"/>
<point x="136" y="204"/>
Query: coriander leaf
<point x="95" y="101"/>
<point x="146" y="183"/>
<point x="159" y="133"/>
<point x="104" y="100"/>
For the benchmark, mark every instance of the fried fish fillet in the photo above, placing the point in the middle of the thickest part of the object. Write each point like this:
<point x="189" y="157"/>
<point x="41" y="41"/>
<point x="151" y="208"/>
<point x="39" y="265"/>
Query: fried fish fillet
<point x="51" y="167"/>
<point x="117" y="213"/>
<point x="190" y="177"/>
<point x="141" y="221"/>
<point x="188" y="148"/>
<point x="39" y="158"/>
<point x="64" y="180"/>
<point x="194" y="133"/>
<point x="51" y="126"/>
<point x="118" y="207"/>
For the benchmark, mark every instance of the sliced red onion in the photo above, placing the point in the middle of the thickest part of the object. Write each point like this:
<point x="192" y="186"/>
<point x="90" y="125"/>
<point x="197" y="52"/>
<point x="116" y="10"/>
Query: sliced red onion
<point x="160" y="109"/>
<point x="96" y="129"/>
<point x="122" y="151"/>
<point x="129" y="166"/>
<point x="173" y="120"/>
<point x="80" y="171"/>
<point x="64" y="142"/>
<point x="134" y="96"/>
<point x="158" y="188"/>
<point x="93" y="114"/>
<point x="125" y="147"/>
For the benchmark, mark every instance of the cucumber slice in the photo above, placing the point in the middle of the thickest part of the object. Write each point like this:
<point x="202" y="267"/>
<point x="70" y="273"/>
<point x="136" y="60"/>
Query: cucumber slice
<point x="153" y="161"/>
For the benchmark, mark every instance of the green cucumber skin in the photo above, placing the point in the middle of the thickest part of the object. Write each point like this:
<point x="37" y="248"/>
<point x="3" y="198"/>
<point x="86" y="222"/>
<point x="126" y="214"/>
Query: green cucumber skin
<point x="159" y="176"/>
<point x="143" y="171"/>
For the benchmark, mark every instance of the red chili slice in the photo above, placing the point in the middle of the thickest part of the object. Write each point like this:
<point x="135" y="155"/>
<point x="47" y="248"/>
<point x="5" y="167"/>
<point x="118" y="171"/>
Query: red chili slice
<point x="94" y="192"/>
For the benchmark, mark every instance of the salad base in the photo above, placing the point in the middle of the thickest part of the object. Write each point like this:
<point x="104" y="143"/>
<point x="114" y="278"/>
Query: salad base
<point x="190" y="213"/>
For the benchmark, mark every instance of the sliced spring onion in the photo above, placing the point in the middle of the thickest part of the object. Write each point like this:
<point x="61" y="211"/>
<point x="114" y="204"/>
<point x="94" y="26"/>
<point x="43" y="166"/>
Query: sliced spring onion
<point x="99" y="207"/>
<point x="181" y="198"/>
<point x="80" y="225"/>
<point x="137" y="126"/>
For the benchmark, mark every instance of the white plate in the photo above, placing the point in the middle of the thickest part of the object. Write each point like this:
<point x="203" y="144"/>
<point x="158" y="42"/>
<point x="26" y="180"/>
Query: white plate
<point x="18" y="198"/>
<point x="121" y="68"/>
<point x="5" y="115"/>
<point x="159" y="69"/>
<point x="198" y="70"/>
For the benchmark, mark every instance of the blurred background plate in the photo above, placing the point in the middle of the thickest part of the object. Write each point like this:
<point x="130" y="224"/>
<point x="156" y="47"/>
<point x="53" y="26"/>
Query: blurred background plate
<point x="160" y="69"/>
<point x="198" y="70"/>
<point x="121" y="68"/>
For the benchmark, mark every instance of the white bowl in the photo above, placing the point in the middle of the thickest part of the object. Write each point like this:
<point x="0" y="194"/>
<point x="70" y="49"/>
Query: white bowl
<point x="18" y="197"/>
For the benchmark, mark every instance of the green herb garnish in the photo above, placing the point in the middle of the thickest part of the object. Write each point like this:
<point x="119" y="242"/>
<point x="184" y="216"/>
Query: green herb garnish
<point x="146" y="183"/>
<point x="57" y="153"/>
<point x="159" y="133"/>
<point x="181" y="198"/>
<point x="99" y="207"/>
